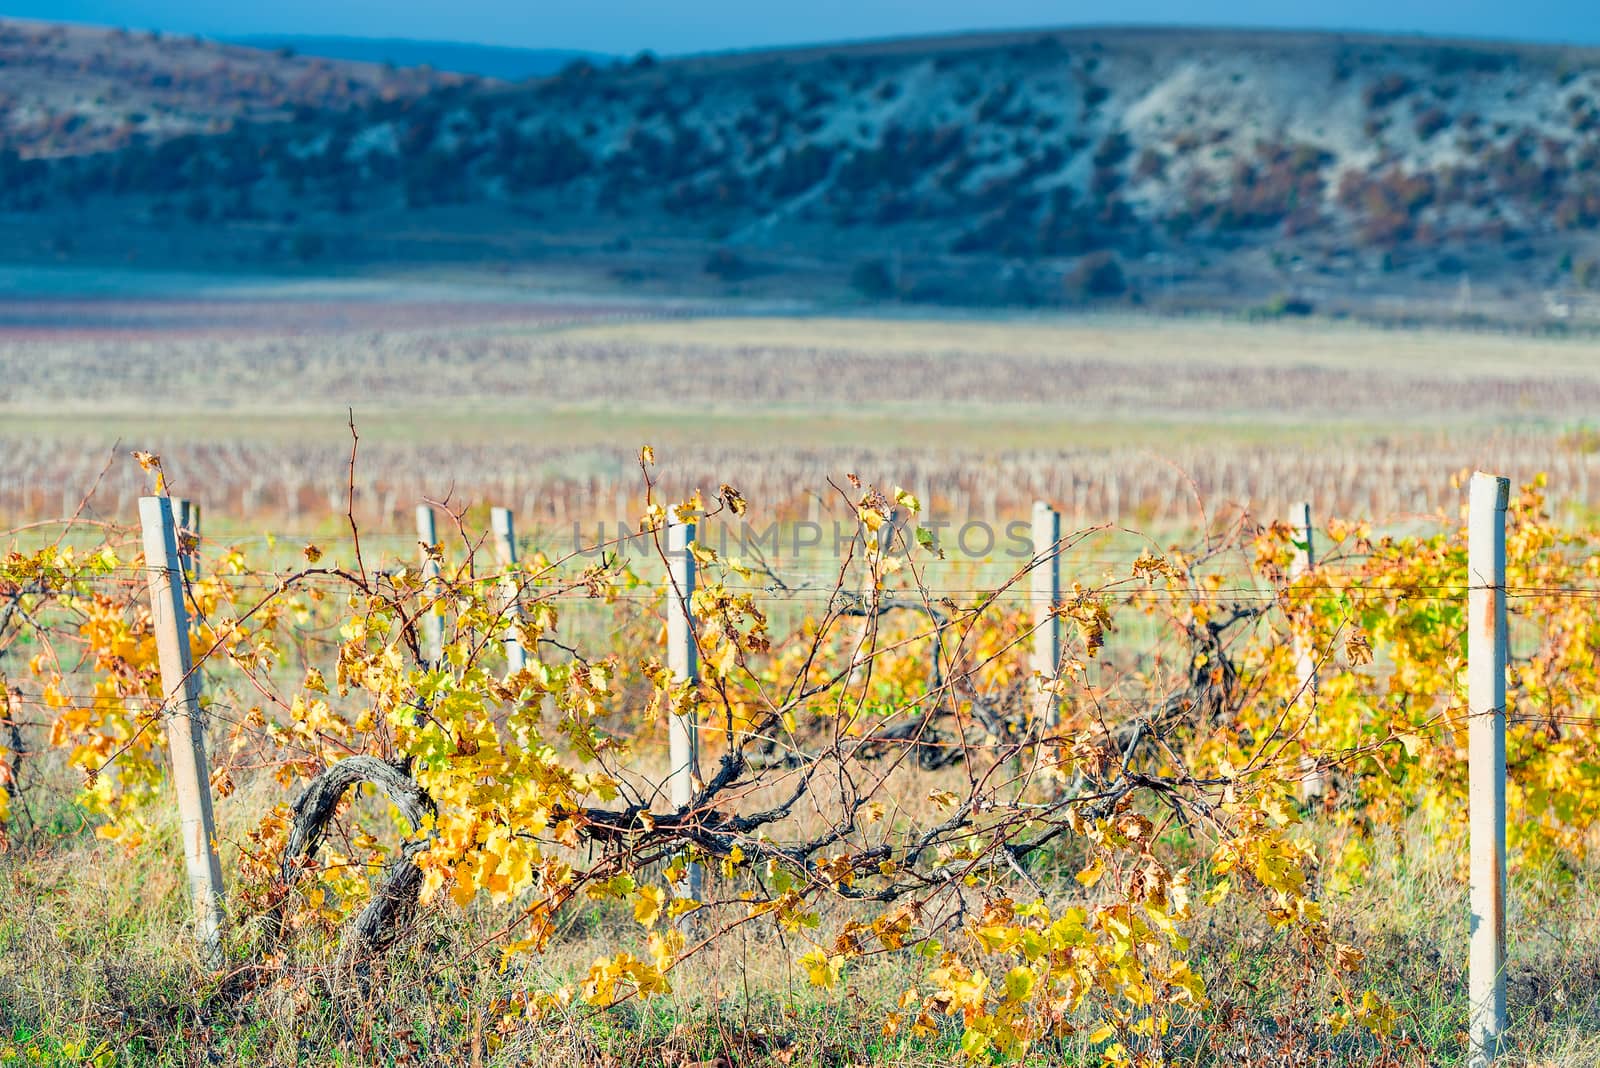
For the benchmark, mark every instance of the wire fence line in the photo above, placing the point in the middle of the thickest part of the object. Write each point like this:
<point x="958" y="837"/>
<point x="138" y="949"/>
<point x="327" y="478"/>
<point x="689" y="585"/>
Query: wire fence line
<point x="125" y="576"/>
<point x="1004" y="725"/>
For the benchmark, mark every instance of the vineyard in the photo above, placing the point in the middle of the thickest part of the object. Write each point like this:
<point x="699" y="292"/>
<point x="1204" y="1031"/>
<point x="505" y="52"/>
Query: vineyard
<point x="475" y="798"/>
<point x="1056" y="548"/>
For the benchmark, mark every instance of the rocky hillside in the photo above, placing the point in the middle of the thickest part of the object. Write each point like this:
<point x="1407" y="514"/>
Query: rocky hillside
<point x="69" y="90"/>
<point x="1084" y="162"/>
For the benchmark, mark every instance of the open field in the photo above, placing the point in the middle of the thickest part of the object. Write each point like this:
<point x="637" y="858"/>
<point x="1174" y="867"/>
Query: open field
<point x="542" y="406"/>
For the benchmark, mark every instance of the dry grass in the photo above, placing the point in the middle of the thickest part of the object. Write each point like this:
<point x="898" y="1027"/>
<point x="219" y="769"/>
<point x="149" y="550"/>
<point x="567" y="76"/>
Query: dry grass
<point x="443" y="358"/>
<point x="95" y="967"/>
<point x="1134" y="340"/>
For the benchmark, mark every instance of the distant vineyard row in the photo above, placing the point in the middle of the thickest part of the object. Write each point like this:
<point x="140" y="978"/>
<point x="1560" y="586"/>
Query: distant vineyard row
<point x="306" y="485"/>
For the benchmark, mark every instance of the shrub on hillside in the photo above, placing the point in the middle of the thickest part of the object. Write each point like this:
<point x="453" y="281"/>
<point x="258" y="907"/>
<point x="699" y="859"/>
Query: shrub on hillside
<point x="1282" y="306"/>
<point x="1431" y="122"/>
<point x="198" y="208"/>
<point x="1152" y="164"/>
<point x="548" y="157"/>
<point x="1386" y="90"/>
<point x="1096" y="275"/>
<point x="873" y="279"/>
<point x="727" y="265"/>
<point x="308" y="246"/>
<point x="1113" y="150"/>
<point x="797" y="170"/>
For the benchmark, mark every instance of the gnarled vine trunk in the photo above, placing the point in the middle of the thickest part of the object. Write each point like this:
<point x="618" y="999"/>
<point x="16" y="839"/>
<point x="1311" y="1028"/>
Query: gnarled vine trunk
<point x="395" y="899"/>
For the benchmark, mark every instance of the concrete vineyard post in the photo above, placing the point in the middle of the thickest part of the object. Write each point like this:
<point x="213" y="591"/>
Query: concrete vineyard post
<point x="505" y="548"/>
<point x="683" y="660"/>
<point x="1045" y="594"/>
<point x="432" y="624"/>
<point x="188" y="515"/>
<point x="1486" y="760"/>
<point x="1302" y="534"/>
<point x="186" y="739"/>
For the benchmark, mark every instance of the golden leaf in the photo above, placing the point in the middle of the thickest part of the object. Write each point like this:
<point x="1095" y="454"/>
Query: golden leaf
<point x="647" y="905"/>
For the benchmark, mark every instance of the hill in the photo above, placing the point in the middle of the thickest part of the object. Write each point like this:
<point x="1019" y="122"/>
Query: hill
<point x="487" y="61"/>
<point x="1282" y="170"/>
<point x="68" y="90"/>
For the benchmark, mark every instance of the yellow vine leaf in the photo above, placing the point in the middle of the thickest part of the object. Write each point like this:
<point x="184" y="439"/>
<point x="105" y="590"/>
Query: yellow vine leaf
<point x="647" y="905"/>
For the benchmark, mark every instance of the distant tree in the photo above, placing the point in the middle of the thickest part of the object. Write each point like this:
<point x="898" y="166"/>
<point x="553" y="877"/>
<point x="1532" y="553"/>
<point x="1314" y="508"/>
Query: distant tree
<point x="1152" y="164"/>
<point x="549" y="157"/>
<point x="198" y="208"/>
<point x="1386" y="90"/>
<point x="1431" y="122"/>
<point x="872" y="279"/>
<point x="727" y="265"/>
<point x="798" y="170"/>
<point x="1283" y="305"/>
<point x="1098" y="274"/>
<point x="308" y="246"/>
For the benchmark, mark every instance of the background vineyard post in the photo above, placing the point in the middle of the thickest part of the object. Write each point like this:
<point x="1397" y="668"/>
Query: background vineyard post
<point x="1045" y="593"/>
<point x="1303" y="539"/>
<point x="683" y="660"/>
<point x="432" y="623"/>
<point x="188" y="513"/>
<point x="505" y="548"/>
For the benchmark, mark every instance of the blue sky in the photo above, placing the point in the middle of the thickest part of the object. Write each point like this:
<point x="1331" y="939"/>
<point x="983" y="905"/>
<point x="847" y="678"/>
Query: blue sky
<point x="626" y="26"/>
